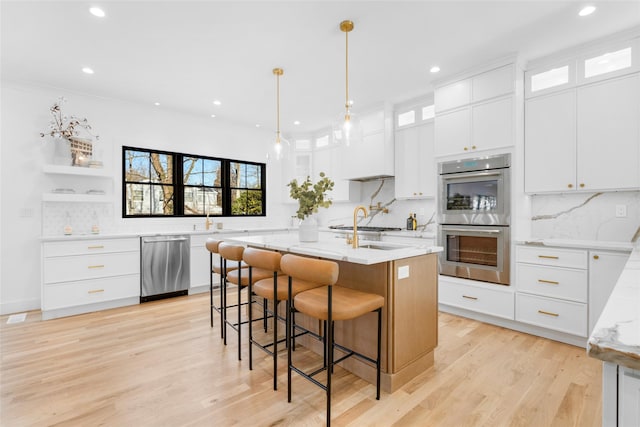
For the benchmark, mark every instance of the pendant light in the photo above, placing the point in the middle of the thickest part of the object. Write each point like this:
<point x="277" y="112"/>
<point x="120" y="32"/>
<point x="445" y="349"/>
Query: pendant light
<point x="347" y="128"/>
<point x="281" y="146"/>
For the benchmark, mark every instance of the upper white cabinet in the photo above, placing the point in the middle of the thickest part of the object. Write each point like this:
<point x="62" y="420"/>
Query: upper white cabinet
<point x="331" y="160"/>
<point x="371" y="156"/>
<point x="476" y="113"/>
<point x="584" y="139"/>
<point x="297" y="165"/>
<point x="608" y="134"/>
<point x="582" y="122"/>
<point x="550" y="148"/>
<point x="415" y="163"/>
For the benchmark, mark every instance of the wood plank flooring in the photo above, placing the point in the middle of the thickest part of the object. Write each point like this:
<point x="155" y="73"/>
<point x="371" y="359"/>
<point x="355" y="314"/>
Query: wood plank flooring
<point x="160" y="364"/>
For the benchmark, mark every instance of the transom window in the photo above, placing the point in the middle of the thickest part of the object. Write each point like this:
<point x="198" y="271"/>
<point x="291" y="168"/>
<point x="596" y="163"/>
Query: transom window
<point x="159" y="183"/>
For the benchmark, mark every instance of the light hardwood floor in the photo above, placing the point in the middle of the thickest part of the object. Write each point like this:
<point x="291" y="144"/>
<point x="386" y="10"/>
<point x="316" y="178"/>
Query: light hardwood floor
<point x="160" y="364"/>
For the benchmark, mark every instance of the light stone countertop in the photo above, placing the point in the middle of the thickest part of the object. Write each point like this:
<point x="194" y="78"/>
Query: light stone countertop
<point x="616" y="336"/>
<point x="329" y="247"/>
<point x="579" y="244"/>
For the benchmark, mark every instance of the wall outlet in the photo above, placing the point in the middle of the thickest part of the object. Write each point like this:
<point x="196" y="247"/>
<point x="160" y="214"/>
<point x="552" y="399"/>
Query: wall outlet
<point x="403" y="272"/>
<point x="621" y="211"/>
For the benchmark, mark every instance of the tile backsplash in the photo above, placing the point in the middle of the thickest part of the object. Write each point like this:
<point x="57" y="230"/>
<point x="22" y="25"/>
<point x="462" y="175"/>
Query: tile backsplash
<point x="80" y="216"/>
<point x="585" y="216"/>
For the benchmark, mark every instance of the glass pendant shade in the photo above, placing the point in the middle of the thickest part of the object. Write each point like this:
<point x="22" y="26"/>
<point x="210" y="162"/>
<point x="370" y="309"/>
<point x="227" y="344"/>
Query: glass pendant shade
<point x="347" y="128"/>
<point x="281" y="147"/>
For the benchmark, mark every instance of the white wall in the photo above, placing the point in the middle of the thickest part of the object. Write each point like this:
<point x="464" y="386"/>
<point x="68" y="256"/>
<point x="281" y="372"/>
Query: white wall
<point x="25" y="113"/>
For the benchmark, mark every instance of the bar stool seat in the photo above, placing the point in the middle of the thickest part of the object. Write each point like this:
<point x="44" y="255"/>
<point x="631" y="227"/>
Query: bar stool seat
<point x="265" y="288"/>
<point x="347" y="303"/>
<point x="242" y="277"/>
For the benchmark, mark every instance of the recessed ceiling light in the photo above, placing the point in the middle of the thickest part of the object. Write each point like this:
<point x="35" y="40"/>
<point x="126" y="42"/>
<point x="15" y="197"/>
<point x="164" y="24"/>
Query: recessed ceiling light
<point x="216" y="102"/>
<point x="257" y="125"/>
<point x="587" y="10"/>
<point x="96" y="11"/>
<point x="297" y="122"/>
<point x="213" y="115"/>
<point x="87" y="70"/>
<point x="156" y="103"/>
<point x="435" y="69"/>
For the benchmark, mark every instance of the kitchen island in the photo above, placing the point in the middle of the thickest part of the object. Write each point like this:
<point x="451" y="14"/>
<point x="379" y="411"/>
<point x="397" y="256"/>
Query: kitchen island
<point x="405" y="275"/>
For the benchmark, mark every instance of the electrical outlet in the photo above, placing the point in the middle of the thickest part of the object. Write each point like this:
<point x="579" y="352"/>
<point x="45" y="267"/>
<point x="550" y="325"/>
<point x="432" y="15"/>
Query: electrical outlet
<point x="621" y="211"/>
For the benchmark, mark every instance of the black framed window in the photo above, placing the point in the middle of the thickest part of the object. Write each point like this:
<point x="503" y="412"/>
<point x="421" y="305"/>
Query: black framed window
<point x="160" y="183"/>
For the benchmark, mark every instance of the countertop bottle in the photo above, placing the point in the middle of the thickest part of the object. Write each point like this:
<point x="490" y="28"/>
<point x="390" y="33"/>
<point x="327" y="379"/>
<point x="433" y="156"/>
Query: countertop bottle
<point x="410" y="222"/>
<point x="414" y="223"/>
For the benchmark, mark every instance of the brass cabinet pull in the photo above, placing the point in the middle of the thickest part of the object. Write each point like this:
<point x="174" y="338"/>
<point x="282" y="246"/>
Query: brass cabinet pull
<point x="570" y="185"/>
<point x="582" y="185"/>
<point x="95" y="291"/>
<point x="468" y="297"/>
<point x="548" y="257"/>
<point x="473" y="147"/>
<point x="596" y="257"/>
<point x="96" y="266"/>
<point x="551" y="282"/>
<point x="548" y="313"/>
<point x="96" y="247"/>
<point x="466" y="149"/>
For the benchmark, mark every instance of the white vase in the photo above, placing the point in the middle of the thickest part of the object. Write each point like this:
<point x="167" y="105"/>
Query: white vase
<point x="61" y="152"/>
<point x="308" y="230"/>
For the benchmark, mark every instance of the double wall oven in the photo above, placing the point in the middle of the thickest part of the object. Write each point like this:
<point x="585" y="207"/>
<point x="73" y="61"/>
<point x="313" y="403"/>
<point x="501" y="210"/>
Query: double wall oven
<point x="474" y="218"/>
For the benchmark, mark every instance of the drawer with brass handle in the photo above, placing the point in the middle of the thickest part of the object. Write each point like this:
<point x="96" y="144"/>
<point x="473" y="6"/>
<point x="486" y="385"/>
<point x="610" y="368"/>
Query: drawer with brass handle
<point x="564" y="316"/>
<point x="557" y="257"/>
<point x="82" y="247"/>
<point x="72" y="294"/>
<point x="555" y="282"/>
<point x="81" y="267"/>
<point x="489" y="299"/>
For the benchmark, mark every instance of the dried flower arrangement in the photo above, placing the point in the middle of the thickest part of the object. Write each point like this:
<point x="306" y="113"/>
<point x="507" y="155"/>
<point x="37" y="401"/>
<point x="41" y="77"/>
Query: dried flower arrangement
<point x="62" y="126"/>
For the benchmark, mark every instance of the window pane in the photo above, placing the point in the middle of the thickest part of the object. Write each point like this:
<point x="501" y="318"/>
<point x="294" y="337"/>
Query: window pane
<point x="428" y="112"/>
<point x="246" y="202"/>
<point x="192" y="171"/>
<point x="407" y="118"/>
<point x="323" y="141"/>
<point x="138" y="199"/>
<point x="212" y="173"/>
<point x="136" y="166"/>
<point x="551" y="78"/>
<point x="161" y="200"/>
<point x="610" y="61"/>
<point x="161" y="168"/>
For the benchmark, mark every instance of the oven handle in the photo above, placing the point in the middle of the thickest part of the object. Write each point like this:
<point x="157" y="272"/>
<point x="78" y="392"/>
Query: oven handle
<point x="465" y="230"/>
<point x="451" y="176"/>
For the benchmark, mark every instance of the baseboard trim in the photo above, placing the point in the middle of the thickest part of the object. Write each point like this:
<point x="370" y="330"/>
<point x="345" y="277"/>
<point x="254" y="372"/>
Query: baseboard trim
<point x="19" y="306"/>
<point x="88" y="308"/>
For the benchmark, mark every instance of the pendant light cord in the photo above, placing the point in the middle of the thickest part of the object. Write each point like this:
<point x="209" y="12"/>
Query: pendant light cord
<point x="346" y="62"/>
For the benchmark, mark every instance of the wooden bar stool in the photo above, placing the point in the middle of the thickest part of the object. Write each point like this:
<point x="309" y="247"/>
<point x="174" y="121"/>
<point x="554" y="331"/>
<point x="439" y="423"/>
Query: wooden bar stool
<point x="328" y="303"/>
<point x="274" y="289"/>
<point x="240" y="278"/>
<point x="212" y="246"/>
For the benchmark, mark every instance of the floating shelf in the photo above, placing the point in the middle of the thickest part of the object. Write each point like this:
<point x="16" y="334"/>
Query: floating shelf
<point x="84" y="198"/>
<point x="77" y="171"/>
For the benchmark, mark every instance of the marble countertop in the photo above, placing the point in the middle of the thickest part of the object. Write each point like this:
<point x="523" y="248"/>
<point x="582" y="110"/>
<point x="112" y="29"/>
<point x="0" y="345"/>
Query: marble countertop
<point x="579" y="244"/>
<point x="616" y="336"/>
<point x="329" y="247"/>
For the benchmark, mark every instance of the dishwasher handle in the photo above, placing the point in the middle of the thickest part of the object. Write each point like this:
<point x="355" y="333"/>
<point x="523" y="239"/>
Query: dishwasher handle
<point x="177" y="239"/>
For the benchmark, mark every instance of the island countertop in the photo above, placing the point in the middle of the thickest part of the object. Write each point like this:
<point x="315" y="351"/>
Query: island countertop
<point x="616" y="336"/>
<point x="330" y="247"/>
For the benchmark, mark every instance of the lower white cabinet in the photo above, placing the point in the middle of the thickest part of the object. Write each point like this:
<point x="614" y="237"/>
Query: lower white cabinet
<point x="552" y="313"/>
<point x="199" y="263"/>
<point x="494" y="300"/>
<point x="604" y="269"/>
<point x="79" y="276"/>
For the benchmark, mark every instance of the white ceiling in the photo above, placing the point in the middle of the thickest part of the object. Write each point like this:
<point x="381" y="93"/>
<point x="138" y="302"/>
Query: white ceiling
<point x="185" y="54"/>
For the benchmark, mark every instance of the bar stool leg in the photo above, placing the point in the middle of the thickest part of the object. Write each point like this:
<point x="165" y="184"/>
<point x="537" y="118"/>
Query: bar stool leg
<point x="211" y="288"/>
<point x="329" y="333"/>
<point x="239" y="311"/>
<point x="250" y="291"/>
<point x="379" y="352"/>
<point x="288" y="340"/>
<point x="224" y="304"/>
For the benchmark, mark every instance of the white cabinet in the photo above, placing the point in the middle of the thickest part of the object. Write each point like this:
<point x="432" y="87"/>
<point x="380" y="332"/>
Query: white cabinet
<point x="608" y="134"/>
<point x="550" y="145"/>
<point x="552" y="288"/>
<point x="494" y="300"/>
<point x="296" y="166"/>
<point x="476" y="113"/>
<point x="604" y="269"/>
<point x="628" y="397"/>
<point x="415" y="164"/>
<point x="79" y="276"/>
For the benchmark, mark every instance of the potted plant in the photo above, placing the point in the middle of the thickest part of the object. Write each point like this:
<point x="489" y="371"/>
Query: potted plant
<point x="310" y="197"/>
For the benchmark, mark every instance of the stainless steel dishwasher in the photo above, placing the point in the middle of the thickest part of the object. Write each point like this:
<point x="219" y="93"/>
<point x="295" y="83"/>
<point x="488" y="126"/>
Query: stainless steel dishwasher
<point x="164" y="266"/>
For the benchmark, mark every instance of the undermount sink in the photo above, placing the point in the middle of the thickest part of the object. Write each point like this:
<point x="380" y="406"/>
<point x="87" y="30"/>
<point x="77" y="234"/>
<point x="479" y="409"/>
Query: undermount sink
<point x="379" y="247"/>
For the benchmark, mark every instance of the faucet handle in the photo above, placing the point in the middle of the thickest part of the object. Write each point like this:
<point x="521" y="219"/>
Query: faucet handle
<point x="349" y="239"/>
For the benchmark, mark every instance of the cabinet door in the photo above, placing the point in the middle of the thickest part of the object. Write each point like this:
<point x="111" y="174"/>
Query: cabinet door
<point x="492" y="83"/>
<point x="199" y="264"/>
<point x="415" y="168"/>
<point x="628" y="397"/>
<point x="297" y="166"/>
<point x="604" y="270"/>
<point x="550" y="143"/>
<point x="608" y="135"/>
<point x="332" y="162"/>
<point x="492" y="125"/>
<point x="453" y="95"/>
<point x="453" y="132"/>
